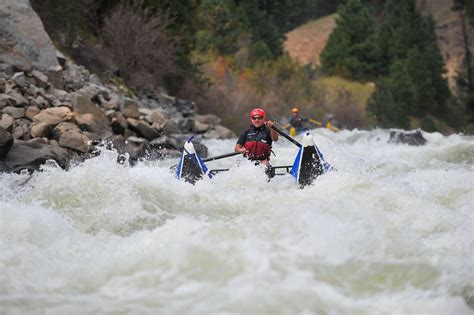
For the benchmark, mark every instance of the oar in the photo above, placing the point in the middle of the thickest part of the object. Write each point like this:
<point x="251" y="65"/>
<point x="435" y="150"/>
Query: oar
<point x="222" y="156"/>
<point x="315" y="122"/>
<point x="284" y="135"/>
<point x="217" y="157"/>
<point x="318" y="123"/>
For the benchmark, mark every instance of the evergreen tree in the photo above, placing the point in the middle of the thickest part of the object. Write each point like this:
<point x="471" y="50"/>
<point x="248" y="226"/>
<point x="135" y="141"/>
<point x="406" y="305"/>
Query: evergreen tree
<point x="465" y="78"/>
<point x="393" y="98"/>
<point x="266" y="39"/>
<point x="351" y="51"/>
<point x="407" y="41"/>
<point x="219" y="27"/>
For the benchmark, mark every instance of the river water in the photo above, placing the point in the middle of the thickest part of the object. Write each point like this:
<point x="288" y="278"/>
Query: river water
<point x="389" y="232"/>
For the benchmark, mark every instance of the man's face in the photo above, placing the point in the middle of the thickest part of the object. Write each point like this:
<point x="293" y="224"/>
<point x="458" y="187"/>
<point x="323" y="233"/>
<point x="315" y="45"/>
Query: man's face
<point x="257" y="121"/>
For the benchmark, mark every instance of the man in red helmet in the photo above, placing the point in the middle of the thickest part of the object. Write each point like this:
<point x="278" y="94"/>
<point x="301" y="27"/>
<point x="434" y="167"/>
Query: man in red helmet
<point x="256" y="142"/>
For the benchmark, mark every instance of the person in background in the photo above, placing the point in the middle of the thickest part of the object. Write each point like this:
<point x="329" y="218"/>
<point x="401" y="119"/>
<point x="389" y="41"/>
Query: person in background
<point x="256" y="142"/>
<point x="329" y="122"/>
<point x="297" y="122"/>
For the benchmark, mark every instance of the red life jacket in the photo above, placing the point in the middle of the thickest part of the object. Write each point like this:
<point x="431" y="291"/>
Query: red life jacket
<point x="258" y="143"/>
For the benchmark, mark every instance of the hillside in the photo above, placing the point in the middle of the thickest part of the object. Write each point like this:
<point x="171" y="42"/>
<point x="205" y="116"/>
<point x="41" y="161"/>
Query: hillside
<point x="306" y="42"/>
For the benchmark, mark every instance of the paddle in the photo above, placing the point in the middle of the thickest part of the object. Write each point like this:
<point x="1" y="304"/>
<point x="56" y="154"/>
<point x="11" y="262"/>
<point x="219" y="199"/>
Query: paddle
<point x="222" y="156"/>
<point x="284" y="135"/>
<point x="217" y="157"/>
<point x="318" y="123"/>
<point x="315" y="122"/>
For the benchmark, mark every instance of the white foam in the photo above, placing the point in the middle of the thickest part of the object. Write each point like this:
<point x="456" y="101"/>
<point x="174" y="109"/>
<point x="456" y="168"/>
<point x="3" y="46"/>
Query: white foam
<point x="390" y="232"/>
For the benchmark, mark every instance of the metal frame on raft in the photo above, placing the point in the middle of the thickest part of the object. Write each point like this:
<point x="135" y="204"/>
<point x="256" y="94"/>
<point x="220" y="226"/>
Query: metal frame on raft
<point x="308" y="164"/>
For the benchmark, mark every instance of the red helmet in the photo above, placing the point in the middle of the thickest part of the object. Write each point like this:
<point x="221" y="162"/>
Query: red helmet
<point x="258" y="112"/>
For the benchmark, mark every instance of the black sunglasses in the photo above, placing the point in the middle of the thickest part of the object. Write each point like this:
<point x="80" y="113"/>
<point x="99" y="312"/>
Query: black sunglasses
<point x="257" y="118"/>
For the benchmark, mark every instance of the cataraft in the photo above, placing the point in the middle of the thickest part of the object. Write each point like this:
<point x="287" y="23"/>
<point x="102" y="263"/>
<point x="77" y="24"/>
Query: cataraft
<point x="308" y="164"/>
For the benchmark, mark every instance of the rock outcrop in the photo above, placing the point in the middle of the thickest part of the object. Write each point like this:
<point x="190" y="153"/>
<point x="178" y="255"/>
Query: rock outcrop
<point x="411" y="138"/>
<point x="23" y="41"/>
<point x="61" y="112"/>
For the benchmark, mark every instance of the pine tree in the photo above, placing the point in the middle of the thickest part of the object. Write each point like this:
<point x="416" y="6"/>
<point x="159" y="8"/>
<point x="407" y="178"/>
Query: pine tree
<point x="393" y="98"/>
<point x="351" y="51"/>
<point x="465" y="78"/>
<point x="407" y="41"/>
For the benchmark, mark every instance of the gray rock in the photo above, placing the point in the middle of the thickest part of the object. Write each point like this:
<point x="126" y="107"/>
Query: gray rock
<point x="20" y="100"/>
<point x="146" y="131"/>
<point x="136" y="140"/>
<point x="7" y="122"/>
<point x="15" y="112"/>
<point x="219" y="132"/>
<point x="130" y="109"/>
<point x="200" y="127"/>
<point x="19" y="79"/>
<point x="3" y="85"/>
<point x="412" y="138"/>
<point x="24" y="40"/>
<point x="76" y="141"/>
<point x="55" y="76"/>
<point x="6" y="142"/>
<point x="31" y="111"/>
<point x="186" y="107"/>
<point x="83" y="105"/>
<point x="7" y="69"/>
<point x="54" y="115"/>
<point x="63" y="128"/>
<point x="39" y="102"/>
<point x="171" y="127"/>
<point x="144" y="111"/>
<point x="7" y="100"/>
<point x="208" y="119"/>
<point x="39" y="140"/>
<point x="186" y="125"/>
<point x="58" y="103"/>
<point x="110" y="105"/>
<point x="119" y="118"/>
<point x="61" y="59"/>
<point x="41" y="79"/>
<point x="60" y="94"/>
<point x="31" y="155"/>
<point x="21" y="132"/>
<point x="94" y="124"/>
<point x="156" y="117"/>
<point x="40" y="130"/>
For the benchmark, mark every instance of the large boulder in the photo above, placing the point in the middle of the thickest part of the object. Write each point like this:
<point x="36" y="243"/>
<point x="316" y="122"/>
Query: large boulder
<point x="30" y="156"/>
<point x="54" y="115"/>
<point x="25" y="43"/>
<point x="411" y="138"/>
<point x="219" y="132"/>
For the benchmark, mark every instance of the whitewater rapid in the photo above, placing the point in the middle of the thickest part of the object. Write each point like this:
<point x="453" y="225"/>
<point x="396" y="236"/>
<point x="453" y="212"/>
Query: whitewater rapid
<point x="390" y="232"/>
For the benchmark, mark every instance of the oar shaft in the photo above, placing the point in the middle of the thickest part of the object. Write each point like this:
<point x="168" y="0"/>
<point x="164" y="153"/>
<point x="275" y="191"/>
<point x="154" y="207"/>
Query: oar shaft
<point x="318" y="123"/>
<point x="218" y="157"/>
<point x="284" y="135"/>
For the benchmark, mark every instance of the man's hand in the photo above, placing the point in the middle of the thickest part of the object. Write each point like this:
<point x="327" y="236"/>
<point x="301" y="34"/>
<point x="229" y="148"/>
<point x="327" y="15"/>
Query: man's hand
<point x="269" y="123"/>
<point x="241" y="149"/>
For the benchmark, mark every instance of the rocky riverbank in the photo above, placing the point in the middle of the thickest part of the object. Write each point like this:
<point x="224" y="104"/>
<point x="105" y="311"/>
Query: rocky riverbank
<point x="54" y="109"/>
<point x="67" y="118"/>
